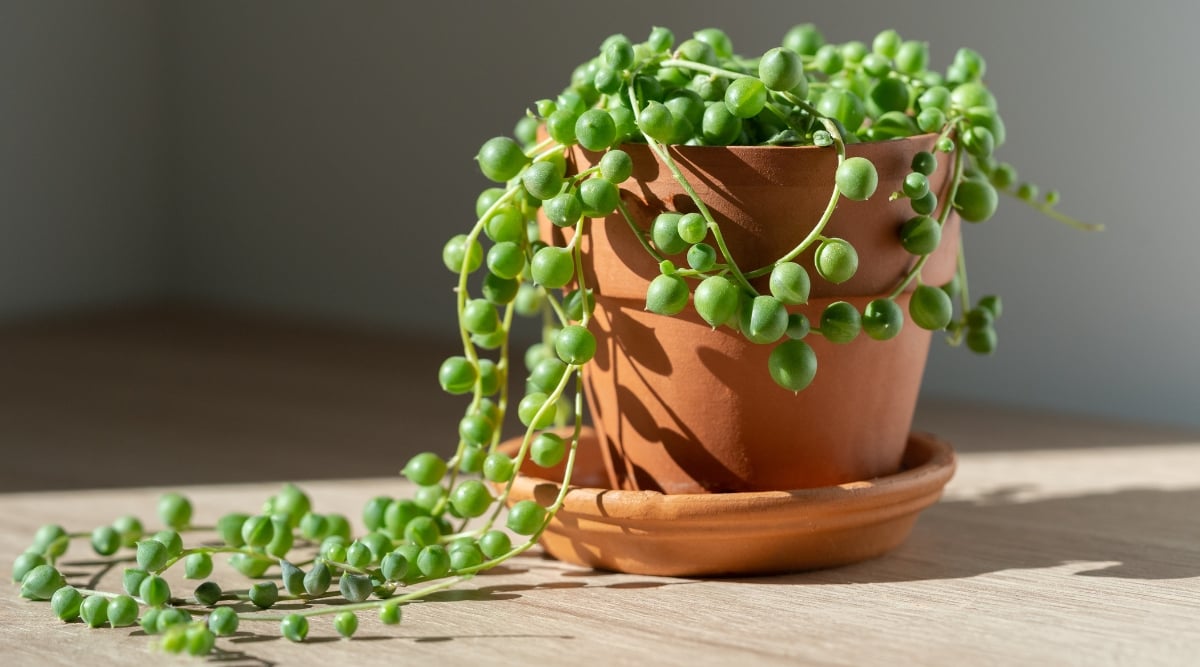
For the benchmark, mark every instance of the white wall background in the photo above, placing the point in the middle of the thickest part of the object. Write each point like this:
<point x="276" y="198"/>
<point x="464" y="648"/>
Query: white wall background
<point x="312" y="157"/>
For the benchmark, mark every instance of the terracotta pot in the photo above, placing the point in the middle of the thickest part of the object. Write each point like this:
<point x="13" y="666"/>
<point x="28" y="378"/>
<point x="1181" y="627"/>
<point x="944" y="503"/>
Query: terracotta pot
<point x="681" y="408"/>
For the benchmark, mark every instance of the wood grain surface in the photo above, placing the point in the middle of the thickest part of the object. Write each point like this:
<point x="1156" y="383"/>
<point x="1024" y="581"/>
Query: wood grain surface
<point x="1061" y="541"/>
<point x="1079" y="556"/>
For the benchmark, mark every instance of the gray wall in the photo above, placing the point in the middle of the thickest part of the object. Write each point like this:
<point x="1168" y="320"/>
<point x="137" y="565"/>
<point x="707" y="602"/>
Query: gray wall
<point x="81" y="155"/>
<point x="306" y="174"/>
<point x="1099" y="102"/>
<point x="321" y="152"/>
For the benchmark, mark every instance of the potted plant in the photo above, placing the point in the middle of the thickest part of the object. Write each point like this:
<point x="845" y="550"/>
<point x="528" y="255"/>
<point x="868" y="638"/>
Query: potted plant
<point x="738" y="261"/>
<point x="712" y="227"/>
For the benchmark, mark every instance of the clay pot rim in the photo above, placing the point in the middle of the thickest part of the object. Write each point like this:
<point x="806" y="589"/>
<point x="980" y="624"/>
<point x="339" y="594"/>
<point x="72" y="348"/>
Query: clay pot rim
<point x="813" y="301"/>
<point x="738" y="149"/>
<point x="931" y="464"/>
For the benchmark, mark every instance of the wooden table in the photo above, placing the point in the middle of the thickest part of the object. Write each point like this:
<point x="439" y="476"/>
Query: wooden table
<point x="1060" y="541"/>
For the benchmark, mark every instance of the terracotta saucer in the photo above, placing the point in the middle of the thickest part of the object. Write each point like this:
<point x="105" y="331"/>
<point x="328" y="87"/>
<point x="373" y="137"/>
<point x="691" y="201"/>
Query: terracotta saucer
<point x="646" y="532"/>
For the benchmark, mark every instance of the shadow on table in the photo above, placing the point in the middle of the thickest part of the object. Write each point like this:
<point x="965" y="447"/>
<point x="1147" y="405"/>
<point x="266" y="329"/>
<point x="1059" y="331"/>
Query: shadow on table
<point x="1140" y="534"/>
<point x="246" y="658"/>
<point x="582" y="579"/>
<point x="489" y="593"/>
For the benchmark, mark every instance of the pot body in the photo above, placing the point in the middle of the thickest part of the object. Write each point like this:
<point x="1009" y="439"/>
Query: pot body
<point x="681" y="408"/>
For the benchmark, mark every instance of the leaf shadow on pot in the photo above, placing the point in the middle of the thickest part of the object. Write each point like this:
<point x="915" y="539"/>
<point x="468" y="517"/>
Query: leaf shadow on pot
<point x="649" y="354"/>
<point x="1137" y="534"/>
<point x="677" y="440"/>
<point x="765" y="203"/>
<point x="633" y="359"/>
<point x="733" y="170"/>
<point x="643" y="207"/>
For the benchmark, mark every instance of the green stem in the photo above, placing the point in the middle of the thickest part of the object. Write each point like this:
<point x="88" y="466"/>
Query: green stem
<point x="803" y="104"/>
<point x="105" y="594"/>
<point x="570" y="466"/>
<point x="502" y="374"/>
<point x="439" y="508"/>
<point x="557" y="148"/>
<point x="1050" y="212"/>
<point x="950" y="127"/>
<point x="583" y="174"/>
<point x="664" y="155"/>
<point x="562" y="492"/>
<point x="715" y="270"/>
<point x="556" y="308"/>
<point x="522" y="452"/>
<point x="472" y="238"/>
<point x="784" y="117"/>
<point x="947" y="206"/>
<point x="346" y="567"/>
<point x="469" y="350"/>
<point x="213" y="550"/>
<point x="707" y="69"/>
<point x="907" y="280"/>
<point x="359" y="606"/>
<point x="964" y="290"/>
<point x="283" y="597"/>
<point x="553" y="397"/>
<point x="718" y="236"/>
<point x="816" y="233"/>
<point x="637" y="232"/>
<point x="542" y="145"/>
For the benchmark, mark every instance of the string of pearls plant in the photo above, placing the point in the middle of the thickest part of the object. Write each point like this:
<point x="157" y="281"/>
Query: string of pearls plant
<point x="660" y="93"/>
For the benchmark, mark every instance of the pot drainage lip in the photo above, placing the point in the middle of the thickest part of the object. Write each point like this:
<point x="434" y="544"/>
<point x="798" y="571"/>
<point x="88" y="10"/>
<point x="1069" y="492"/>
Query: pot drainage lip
<point x="648" y="532"/>
<point x="928" y="464"/>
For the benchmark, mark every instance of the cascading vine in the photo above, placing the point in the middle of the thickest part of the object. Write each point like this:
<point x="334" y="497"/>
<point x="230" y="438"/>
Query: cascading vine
<point x="696" y="93"/>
